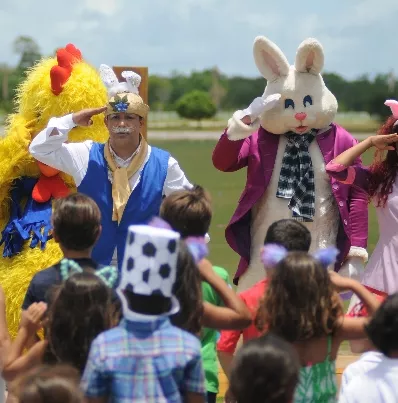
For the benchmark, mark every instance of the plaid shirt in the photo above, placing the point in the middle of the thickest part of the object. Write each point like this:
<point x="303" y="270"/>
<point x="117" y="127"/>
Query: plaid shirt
<point x="144" y="362"/>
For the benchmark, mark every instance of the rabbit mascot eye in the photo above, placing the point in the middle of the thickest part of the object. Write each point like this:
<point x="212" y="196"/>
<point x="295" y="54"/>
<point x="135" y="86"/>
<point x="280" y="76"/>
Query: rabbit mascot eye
<point x="53" y="87"/>
<point x="285" y="138"/>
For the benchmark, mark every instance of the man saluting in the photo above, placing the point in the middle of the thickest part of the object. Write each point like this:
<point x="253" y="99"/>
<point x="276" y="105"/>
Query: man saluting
<point x="126" y="177"/>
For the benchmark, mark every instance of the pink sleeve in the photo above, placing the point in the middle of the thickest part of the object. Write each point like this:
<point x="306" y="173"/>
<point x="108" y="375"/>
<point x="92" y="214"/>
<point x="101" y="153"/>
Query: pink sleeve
<point x="229" y="155"/>
<point x="343" y="174"/>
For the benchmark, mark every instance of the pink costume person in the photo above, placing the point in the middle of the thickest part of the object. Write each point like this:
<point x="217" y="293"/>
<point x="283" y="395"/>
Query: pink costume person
<point x="381" y="182"/>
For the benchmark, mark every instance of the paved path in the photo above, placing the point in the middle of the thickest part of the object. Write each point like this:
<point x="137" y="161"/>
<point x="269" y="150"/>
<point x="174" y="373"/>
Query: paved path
<point x="194" y="135"/>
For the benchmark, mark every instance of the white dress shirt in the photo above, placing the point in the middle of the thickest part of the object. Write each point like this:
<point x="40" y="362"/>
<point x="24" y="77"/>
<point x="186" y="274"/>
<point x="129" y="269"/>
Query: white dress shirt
<point x="377" y="384"/>
<point x="365" y="363"/>
<point x="73" y="158"/>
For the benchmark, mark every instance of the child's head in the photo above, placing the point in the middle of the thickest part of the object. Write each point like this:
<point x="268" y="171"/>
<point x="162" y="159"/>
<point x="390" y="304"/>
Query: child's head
<point x="265" y="369"/>
<point x="48" y="384"/>
<point x="382" y="330"/>
<point x="188" y="290"/>
<point x="300" y="286"/>
<point x="290" y="234"/>
<point x="148" y="273"/>
<point x="80" y="310"/>
<point x="77" y="222"/>
<point x="188" y="212"/>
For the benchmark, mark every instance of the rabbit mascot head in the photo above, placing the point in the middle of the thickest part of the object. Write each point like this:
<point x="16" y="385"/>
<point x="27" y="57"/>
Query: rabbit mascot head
<point x="306" y="103"/>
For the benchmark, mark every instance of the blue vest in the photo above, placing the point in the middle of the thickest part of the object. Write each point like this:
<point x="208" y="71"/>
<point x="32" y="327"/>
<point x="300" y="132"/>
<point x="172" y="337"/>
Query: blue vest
<point x="143" y="204"/>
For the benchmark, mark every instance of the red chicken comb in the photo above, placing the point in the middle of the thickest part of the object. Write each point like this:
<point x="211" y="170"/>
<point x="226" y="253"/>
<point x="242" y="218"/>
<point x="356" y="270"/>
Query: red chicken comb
<point x="60" y="73"/>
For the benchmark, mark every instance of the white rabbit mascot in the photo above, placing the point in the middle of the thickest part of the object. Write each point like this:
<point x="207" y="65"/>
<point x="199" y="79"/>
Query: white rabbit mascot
<point x="285" y="138"/>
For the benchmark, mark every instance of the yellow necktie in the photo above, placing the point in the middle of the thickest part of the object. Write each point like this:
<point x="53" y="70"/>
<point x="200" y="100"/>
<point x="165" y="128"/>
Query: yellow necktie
<point x="121" y="189"/>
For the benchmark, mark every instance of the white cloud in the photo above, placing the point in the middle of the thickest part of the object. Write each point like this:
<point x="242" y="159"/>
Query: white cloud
<point x="107" y="7"/>
<point x="358" y="36"/>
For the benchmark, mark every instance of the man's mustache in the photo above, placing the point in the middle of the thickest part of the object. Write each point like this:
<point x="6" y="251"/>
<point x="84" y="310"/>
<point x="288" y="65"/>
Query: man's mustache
<point x="119" y="130"/>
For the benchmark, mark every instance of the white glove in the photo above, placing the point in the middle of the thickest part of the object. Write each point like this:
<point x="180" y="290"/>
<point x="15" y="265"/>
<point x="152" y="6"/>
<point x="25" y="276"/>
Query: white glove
<point x="353" y="268"/>
<point x="261" y="105"/>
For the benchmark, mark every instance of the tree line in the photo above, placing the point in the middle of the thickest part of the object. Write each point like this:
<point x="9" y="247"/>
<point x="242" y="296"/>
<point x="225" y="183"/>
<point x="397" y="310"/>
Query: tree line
<point x="214" y="89"/>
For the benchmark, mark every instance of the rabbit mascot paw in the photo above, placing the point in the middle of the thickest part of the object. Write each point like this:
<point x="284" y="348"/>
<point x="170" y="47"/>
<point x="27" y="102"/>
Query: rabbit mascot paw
<point x="285" y="138"/>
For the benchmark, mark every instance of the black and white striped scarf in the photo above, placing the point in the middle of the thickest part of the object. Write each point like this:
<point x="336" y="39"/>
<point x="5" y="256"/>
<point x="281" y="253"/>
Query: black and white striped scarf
<point x="296" y="179"/>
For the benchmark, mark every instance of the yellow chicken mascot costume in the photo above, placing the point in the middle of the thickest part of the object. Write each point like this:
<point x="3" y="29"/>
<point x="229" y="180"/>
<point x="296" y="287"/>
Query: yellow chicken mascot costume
<point x="53" y="87"/>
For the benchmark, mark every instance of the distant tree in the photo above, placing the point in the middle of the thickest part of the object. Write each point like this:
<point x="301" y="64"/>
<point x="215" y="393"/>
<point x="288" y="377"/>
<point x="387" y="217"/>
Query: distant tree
<point x="196" y="105"/>
<point x="217" y="90"/>
<point x="241" y="91"/>
<point x="159" y="91"/>
<point x="28" y="50"/>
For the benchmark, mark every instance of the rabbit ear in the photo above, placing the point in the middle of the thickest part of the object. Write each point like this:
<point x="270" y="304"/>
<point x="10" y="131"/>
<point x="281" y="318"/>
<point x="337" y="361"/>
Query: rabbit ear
<point x="133" y="81"/>
<point x="108" y="76"/>
<point x="270" y="60"/>
<point x="309" y="57"/>
<point x="393" y="104"/>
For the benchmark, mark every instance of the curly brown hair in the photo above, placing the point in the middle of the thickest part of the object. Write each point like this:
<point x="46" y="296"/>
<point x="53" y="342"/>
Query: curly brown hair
<point x="301" y="302"/>
<point x="384" y="167"/>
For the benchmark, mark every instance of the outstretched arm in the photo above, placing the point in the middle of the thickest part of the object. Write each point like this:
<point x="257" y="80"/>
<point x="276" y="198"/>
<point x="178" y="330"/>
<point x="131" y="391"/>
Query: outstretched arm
<point x="354" y="328"/>
<point x="347" y="168"/>
<point x="232" y="150"/>
<point x="234" y="315"/>
<point x="230" y="156"/>
<point x="15" y="362"/>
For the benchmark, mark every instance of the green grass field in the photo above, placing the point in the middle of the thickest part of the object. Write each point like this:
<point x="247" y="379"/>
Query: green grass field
<point x="194" y="158"/>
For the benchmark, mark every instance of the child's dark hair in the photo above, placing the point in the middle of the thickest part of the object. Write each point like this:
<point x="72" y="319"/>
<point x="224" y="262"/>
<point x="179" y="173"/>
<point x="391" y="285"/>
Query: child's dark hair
<point x="80" y="310"/>
<point x="188" y="290"/>
<point x="77" y="221"/>
<point x="265" y="369"/>
<point x="300" y="302"/>
<point x="290" y="234"/>
<point x="382" y="329"/>
<point x="188" y="212"/>
<point x="48" y="384"/>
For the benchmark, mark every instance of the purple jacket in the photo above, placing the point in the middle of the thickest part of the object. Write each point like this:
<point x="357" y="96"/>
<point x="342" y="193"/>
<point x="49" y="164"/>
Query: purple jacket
<point x="258" y="152"/>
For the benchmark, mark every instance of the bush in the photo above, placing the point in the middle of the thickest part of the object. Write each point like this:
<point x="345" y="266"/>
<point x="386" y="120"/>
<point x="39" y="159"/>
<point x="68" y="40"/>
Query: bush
<point x="196" y="105"/>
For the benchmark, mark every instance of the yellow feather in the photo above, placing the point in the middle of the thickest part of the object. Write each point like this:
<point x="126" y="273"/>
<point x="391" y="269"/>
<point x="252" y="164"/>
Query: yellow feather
<point x="36" y="102"/>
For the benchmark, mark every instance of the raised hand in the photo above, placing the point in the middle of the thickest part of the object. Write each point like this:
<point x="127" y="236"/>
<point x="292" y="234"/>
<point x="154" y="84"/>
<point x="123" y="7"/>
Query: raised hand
<point x="83" y="117"/>
<point x="259" y="106"/>
<point x="31" y="319"/>
<point x="382" y="142"/>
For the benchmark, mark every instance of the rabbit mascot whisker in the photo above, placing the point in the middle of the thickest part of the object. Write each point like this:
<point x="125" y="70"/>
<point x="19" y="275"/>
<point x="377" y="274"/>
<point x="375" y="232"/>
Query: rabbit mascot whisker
<point x="285" y="138"/>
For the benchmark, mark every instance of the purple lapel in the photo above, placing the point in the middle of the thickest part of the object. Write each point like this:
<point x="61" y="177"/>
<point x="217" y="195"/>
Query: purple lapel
<point x="268" y="148"/>
<point x="326" y="142"/>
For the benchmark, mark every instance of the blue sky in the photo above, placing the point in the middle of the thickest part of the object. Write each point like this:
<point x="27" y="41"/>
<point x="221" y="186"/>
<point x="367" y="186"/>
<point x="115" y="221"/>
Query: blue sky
<point x="358" y="36"/>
